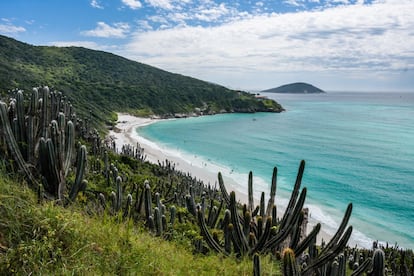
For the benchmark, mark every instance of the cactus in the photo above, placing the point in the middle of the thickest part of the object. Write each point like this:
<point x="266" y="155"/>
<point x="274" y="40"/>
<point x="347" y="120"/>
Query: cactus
<point x="227" y="231"/>
<point x="378" y="263"/>
<point x="272" y="193"/>
<point x="240" y="238"/>
<point x="206" y="234"/>
<point x="290" y="267"/>
<point x="249" y="235"/>
<point x="80" y="171"/>
<point x="128" y="206"/>
<point x="118" y="204"/>
<point x="147" y="201"/>
<point x="158" y="221"/>
<point x="37" y="141"/>
<point x="173" y="213"/>
<point x="13" y="146"/>
<point x="69" y="146"/>
<point x="256" y="265"/>
<point x="362" y="267"/>
<point x="223" y="189"/>
<point x="326" y="256"/>
<point x="250" y="206"/>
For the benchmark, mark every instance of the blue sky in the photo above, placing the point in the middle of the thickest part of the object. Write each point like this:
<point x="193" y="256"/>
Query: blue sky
<point x="338" y="45"/>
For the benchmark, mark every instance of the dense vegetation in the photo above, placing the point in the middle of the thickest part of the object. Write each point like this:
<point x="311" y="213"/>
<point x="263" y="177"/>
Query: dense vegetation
<point x="89" y="208"/>
<point x="296" y="88"/>
<point x="105" y="83"/>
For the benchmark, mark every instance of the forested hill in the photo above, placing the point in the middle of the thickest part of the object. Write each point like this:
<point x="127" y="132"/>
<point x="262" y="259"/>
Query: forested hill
<point x="103" y="82"/>
<point x="296" y="88"/>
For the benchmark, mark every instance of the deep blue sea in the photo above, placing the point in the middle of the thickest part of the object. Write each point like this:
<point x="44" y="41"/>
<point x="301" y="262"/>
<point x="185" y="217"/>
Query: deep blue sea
<point x="358" y="147"/>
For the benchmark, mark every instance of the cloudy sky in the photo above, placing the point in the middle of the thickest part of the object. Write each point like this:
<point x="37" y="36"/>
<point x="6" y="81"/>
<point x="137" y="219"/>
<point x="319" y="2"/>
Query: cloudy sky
<point x="338" y="45"/>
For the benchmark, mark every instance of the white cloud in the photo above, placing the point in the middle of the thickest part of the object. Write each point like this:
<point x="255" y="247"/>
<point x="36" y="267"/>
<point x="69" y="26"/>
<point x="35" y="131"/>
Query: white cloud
<point x="10" y="29"/>
<point x="350" y="39"/>
<point x="118" y="30"/>
<point x="132" y="4"/>
<point x="213" y="13"/>
<point x="164" y="4"/>
<point x="95" y="4"/>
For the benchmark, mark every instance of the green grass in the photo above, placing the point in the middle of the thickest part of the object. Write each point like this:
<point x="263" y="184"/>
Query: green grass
<point x="44" y="238"/>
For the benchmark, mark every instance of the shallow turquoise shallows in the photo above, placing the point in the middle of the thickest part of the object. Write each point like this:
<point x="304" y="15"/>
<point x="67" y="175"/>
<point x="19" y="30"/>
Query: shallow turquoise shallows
<point x="358" y="147"/>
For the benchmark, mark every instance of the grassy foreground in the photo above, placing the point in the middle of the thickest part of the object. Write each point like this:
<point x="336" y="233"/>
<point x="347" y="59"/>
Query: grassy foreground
<point x="42" y="238"/>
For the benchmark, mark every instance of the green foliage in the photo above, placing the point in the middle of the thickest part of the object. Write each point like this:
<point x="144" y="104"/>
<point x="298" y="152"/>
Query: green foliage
<point x="45" y="239"/>
<point x="103" y="83"/>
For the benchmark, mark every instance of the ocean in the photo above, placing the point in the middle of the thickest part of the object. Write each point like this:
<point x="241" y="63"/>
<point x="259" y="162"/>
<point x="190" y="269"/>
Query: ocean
<point x="358" y="147"/>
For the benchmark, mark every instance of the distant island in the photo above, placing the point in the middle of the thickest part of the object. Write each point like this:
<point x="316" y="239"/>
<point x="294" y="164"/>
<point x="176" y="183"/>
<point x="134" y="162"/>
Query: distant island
<point x="296" y="88"/>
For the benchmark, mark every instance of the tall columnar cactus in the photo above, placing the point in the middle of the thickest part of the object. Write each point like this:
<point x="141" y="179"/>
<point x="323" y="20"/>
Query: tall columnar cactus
<point x="41" y="139"/>
<point x="378" y="263"/>
<point x="250" y="205"/>
<point x="256" y="265"/>
<point x="147" y="200"/>
<point x="32" y="125"/>
<point x="80" y="171"/>
<point x="13" y="145"/>
<point x="272" y="193"/>
<point x="118" y="202"/>
<point x="290" y="267"/>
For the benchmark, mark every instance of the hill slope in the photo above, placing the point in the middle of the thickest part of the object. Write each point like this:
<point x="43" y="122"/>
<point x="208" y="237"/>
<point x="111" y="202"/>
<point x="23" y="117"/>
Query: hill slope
<point x="103" y="82"/>
<point x="296" y="88"/>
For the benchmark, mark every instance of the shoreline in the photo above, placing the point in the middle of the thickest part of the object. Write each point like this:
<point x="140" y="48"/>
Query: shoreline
<point x="124" y="133"/>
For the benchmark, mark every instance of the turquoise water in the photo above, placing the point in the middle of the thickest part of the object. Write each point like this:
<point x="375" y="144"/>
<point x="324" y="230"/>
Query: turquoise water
<point x="358" y="147"/>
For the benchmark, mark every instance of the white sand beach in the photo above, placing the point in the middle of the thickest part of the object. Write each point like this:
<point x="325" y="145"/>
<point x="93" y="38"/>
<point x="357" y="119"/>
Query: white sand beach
<point x="124" y="133"/>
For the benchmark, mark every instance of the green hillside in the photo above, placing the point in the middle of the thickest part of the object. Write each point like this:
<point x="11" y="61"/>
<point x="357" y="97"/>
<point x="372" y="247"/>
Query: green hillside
<point x="104" y="83"/>
<point x="296" y="88"/>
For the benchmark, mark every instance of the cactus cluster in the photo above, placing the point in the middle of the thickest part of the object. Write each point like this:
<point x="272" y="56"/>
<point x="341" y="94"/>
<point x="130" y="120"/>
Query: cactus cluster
<point x="258" y="231"/>
<point x="40" y="137"/>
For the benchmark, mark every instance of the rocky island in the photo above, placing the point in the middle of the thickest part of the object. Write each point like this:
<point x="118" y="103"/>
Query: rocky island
<point x="296" y="88"/>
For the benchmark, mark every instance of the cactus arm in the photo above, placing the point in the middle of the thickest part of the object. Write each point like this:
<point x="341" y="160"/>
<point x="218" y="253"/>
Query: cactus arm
<point x="296" y="232"/>
<point x="12" y="144"/>
<point x="378" y="263"/>
<point x="80" y="170"/>
<point x="272" y="193"/>
<point x="250" y="206"/>
<point x="301" y="247"/>
<point x="214" y="222"/>
<point x="118" y="193"/>
<point x="206" y="234"/>
<point x="57" y="181"/>
<point x="20" y="122"/>
<point x="340" y="230"/>
<point x="328" y="256"/>
<point x="256" y="265"/>
<point x="362" y="267"/>
<point x="290" y="267"/>
<point x="223" y="189"/>
<point x="69" y="145"/>
<point x="263" y="238"/>
<point x="45" y="113"/>
<point x="239" y="235"/>
<point x="147" y="200"/>
<point x="290" y="221"/>
<point x="295" y="193"/>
